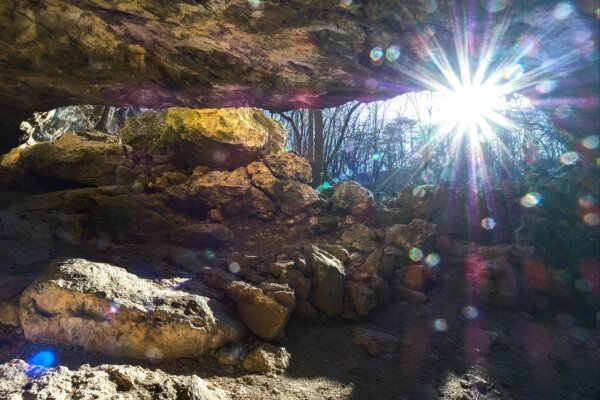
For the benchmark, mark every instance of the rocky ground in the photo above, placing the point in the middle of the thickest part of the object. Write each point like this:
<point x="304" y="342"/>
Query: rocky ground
<point x="188" y="257"/>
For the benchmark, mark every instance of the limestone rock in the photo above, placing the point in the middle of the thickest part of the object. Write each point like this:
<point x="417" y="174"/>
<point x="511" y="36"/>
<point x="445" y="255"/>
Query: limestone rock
<point x="201" y="235"/>
<point x="105" y="382"/>
<point x="418" y="233"/>
<point x="296" y="197"/>
<point x="226" y="137"/>
<point x="264" y="309"/>
<point x="330" y="275"/>
<point x="362" y="297"/>
<point x="289" y="166"/>
<point x="263" y="179"/>
<point x="353" y="198"/>
<point x="73" y="158"/>
<point x="375" y="342"/>
<point x="280" y="266"/>
<point x="297" y="282"/>
<point x="230" y="192"/>
<point x="336" y="250"/>
<point x="267" y="359"/>
<point x="100" y="307"/>
<point x="359" y="237"/>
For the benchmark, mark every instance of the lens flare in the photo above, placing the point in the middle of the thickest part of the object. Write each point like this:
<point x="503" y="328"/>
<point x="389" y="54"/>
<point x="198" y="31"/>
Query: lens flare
<point x="44" y="359"/>
<point x="591" y="142"/>
<point x="392" y="53"/>
<point x="488" y="223"/>
<point x="419" y="191"/>
<point x="470" y="312"/>
<point x="569" y="158"/>
<point x="234" y="267"/>
<point x="531" y="199"/>
<point x="415" y="254"/>
<point x="432" y="259"/>
<point x="440" y="325"/>
<point x="376" y="54"/>
<point x="562" y="11"/>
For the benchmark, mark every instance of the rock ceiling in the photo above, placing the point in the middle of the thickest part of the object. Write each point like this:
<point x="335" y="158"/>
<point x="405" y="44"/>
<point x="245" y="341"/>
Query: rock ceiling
<point x="272" y="54"/>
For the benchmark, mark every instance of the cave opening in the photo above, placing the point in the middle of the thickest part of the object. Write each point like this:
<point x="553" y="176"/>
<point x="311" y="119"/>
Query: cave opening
<point x="295" y="200"/>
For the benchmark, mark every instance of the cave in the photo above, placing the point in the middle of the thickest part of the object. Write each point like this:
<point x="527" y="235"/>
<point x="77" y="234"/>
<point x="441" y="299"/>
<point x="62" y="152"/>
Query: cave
<point x="273" y="199"/>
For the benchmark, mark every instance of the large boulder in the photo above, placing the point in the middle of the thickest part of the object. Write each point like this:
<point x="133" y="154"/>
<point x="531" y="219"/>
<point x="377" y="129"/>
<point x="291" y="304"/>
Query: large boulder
<point x="263" y="178"/>
<point x="330" y="274"/>
<point x="359" y="237"/>
<point x="100" y="307"/>
<point x="352" y="198"/>
<point x="19" y="380"/>
<point x="265" y="308"/>
<point x="418" y="233"/>
<point x="227" y="137"/>
<point x="230" y="192"/>
<point x="73" y="158"/>
<point x="296" y="197"/>
<point x="289" y="166"/>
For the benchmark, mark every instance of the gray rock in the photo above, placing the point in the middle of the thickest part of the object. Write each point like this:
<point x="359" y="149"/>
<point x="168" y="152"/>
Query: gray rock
<point x="353" y="198"/>
<point x="359" y="237"/>
<point x="330" y="274"/>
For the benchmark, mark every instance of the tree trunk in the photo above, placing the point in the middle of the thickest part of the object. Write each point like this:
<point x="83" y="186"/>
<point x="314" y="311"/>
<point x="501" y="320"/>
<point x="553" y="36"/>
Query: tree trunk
<point x="319" y="139"/>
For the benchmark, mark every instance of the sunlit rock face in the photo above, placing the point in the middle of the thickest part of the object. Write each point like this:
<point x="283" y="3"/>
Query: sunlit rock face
<point x="280" y="55"/>
<point x="104" y="381"/>
<point x="103" y="308"/>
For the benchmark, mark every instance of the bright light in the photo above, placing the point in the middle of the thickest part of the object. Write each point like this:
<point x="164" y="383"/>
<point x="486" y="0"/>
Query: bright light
<point x="472" y="105"/>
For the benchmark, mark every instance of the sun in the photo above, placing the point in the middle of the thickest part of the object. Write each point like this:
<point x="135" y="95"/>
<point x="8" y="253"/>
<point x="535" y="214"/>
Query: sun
<point x="473" y="108"/>
<point x="471" y="104"/>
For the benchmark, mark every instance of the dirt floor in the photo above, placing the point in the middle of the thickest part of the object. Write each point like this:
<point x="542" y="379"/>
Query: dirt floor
<point x="496" y="355"/>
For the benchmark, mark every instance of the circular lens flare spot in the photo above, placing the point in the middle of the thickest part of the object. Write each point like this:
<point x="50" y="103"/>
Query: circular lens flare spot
<point x="440" y="325"/>
<point x="44" y="359"/>
<point x="234" y="267"/>
<point x="210" y="254"/>
<point x="392" y="53"/>
<point x="591" y="219"/>
<point x="562" y="11"/>
<point x="563" y="111"/>
<point x="419" y="191"/>
<point x="587" y="201"/>
<point x="545" y="87"/>
<point x="531" y="199"/>
<point x="488" y="223"/>
<point x="591" y="142"/>
<point x="376" y="54"/>
<point x="470" y="312"/>
<point x="432" y="260"/>
<point x="415" y="254"/>
<point x="569" y="158"/>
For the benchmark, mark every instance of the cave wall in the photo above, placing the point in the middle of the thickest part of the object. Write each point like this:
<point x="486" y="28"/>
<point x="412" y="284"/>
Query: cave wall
<point x="272" y="54"/>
